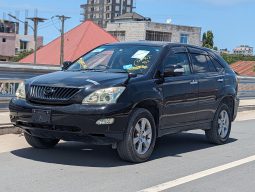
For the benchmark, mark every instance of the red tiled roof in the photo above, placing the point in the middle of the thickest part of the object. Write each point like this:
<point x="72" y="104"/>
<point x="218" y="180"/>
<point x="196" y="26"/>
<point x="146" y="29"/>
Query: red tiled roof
<point x="245" y="68"/>
<point x="78" y="42"/>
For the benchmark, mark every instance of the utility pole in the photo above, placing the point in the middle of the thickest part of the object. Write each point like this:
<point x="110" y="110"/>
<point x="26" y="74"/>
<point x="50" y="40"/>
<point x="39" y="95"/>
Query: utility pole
<point x="62" y="18"/>
<point x="36" y="21"/>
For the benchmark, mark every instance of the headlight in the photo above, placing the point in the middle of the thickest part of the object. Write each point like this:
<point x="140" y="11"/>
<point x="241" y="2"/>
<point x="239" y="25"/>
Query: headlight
<point x="21" y="92"/>
<point x="104" y="96"/>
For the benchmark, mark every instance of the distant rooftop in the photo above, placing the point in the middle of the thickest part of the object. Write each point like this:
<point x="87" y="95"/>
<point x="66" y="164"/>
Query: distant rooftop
<point x="132" y="17"/>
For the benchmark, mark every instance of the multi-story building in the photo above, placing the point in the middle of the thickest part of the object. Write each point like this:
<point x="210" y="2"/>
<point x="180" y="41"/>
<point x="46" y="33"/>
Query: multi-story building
<point x="244" y="50"/>
<point x="134" y="27"/>
<point x="105" y="11"/>
<point x="224" y="51"/>
<point x="12" y="43"/>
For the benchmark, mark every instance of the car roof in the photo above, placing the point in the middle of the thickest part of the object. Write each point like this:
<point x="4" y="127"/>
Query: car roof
<point x="160" y="44"/>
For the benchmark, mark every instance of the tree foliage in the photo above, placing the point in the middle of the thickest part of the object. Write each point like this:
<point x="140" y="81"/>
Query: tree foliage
<point x="208" y="40"/>
<point x="232" y="58"/>
<point x="21" y="55"/>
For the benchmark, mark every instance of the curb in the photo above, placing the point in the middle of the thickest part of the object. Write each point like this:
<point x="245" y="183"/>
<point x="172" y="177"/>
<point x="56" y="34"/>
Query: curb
<point x="246" y="108"/>
<point x="9" y="129"/>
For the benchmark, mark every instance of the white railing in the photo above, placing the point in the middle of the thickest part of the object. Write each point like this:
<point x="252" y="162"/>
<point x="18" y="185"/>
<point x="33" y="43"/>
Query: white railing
<point x="8" y="87"/>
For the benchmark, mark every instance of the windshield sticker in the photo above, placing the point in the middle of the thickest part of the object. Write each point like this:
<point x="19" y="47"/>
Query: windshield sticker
<point x="127" y="67"/>
<point x="98" y="50"/>
<point x="94" y="82"/>
<point x="138" y="68"/>
<point x="141" y="54"/>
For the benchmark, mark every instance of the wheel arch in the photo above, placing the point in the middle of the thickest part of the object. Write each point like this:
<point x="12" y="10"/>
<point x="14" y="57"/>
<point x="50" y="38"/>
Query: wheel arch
<point x="153" y="107"/>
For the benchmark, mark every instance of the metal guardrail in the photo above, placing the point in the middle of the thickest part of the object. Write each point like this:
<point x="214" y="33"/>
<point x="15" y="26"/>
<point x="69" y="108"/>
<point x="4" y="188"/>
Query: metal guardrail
<point x="8" y="88"/>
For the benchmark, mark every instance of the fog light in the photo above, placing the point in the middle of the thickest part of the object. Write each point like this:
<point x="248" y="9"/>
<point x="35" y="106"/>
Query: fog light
<point x="105" y="121"/>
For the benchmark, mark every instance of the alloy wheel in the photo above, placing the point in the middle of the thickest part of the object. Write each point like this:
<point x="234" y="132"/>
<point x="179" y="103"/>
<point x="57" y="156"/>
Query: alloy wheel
<point x="142" y="136"/>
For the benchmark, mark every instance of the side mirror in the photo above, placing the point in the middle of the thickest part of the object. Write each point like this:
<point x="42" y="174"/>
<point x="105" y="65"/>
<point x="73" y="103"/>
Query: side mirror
<point x="174" y="70"/>
<point x="66" y="65"/>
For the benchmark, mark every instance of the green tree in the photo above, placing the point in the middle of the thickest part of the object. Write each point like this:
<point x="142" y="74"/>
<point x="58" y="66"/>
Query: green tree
<point x="232" y="58"/>
<point x="21" y="55"/>
<point x="208" y="39"/>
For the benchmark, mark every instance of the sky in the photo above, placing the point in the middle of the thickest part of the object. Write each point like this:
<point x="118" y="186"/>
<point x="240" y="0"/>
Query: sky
<point x="232" y="21"/>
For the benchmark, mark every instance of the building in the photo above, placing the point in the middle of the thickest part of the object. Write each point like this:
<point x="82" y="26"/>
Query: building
<point x="12" y="43"/>
<point x="134" y="27"/>
<point x="78" y="41"/>
<point x="104" y="11"/>
<point x="244" y="50"/>
<point x="224" y="51"/>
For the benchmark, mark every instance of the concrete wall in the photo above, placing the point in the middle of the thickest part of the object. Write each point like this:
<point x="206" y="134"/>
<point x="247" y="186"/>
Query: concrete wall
<point x="136" y="30"/>
<point x="30" y="40"/>
<point x="7" y="48"/>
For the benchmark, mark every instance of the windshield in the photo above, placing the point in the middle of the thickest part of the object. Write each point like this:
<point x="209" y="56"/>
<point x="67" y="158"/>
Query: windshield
<point x="118" y="58"/>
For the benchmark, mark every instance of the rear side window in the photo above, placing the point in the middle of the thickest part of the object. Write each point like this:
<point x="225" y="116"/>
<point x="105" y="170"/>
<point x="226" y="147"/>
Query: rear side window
<point x="217" y="65"/>
<point x="200" y="64"/>
<point x="212" y="68"/>
<point x="181" y="59"/>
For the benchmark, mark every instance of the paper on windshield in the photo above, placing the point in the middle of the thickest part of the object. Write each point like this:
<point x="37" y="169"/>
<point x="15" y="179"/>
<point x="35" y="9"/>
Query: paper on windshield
<point x="98" y="50"/>
<point x="141" y="54"/>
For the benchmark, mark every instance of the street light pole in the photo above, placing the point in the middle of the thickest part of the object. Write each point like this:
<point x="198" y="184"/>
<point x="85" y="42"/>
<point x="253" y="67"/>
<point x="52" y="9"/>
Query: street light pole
<point x="36" y="21"/>
<point x="62" y="18"/>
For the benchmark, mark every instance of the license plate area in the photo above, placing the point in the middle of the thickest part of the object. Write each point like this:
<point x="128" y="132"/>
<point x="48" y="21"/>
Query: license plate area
<point x="41" y="116"/>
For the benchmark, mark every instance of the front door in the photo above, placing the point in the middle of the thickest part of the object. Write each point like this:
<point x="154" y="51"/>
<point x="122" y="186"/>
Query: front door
<point x="180" y="93"/>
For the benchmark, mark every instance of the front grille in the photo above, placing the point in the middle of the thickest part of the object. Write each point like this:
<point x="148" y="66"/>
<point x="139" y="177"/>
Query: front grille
<point x="52" y="93"/>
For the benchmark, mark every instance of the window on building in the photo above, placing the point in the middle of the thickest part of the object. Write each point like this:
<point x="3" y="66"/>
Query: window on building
<point x="120" y="35"/>
<point x="184" y="39"/>
<point x="128" y="9"/>
<point x="23" y="45"/>
<point x="107" y="15"/>
<point x="4" y="40"/>
<point x="107" y="8"/>
<point x="158" y="36"/>
<point x="117" y="1"/>
<point x="117" y="8"/>
<point x="128" y="2"/>
<point x="108" y="1"/>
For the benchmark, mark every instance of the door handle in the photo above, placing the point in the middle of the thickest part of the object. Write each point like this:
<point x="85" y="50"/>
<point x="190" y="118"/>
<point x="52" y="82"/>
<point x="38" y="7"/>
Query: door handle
<point x="220" y="80"/>
<point x="194" y="82"/>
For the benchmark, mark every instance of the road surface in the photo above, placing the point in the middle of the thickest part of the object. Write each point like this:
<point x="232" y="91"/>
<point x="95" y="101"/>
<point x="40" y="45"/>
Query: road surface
<point x="178" y="164"/>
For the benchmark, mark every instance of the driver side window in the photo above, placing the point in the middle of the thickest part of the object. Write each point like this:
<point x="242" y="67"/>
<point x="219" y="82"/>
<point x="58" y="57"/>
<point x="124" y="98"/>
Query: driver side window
<point x="180" y="59"/>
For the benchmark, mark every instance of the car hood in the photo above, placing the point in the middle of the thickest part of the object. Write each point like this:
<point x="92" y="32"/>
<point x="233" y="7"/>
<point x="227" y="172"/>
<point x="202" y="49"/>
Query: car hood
<point x="80" y="79"/>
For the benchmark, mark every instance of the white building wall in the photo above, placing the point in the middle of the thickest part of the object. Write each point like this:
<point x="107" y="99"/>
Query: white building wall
<point x="136" y="30"/>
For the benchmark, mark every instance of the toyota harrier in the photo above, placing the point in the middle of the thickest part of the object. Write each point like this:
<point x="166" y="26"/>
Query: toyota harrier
<point x="127" y="95"/>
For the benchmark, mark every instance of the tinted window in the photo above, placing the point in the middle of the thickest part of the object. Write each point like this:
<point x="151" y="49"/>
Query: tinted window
<point x="217" y="65"/>
<point x="200" y="64"/>
<point x="178" y="59"/>
<point x="212" y="68"/>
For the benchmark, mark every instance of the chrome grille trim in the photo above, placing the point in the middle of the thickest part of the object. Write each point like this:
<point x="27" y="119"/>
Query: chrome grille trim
<point x="49" y="93"/>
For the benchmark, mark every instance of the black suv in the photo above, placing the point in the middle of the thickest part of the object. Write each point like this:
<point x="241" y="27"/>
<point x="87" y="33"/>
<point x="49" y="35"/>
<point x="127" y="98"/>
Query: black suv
<point x="127" y="95"/>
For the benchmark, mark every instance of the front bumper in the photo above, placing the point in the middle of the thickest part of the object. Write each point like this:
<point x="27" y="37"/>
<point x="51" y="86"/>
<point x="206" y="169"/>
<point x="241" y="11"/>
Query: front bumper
<point x="73" y="122"/>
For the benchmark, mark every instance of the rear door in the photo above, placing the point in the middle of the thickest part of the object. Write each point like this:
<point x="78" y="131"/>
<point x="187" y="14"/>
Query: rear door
<point x="211" y="84"/>
<point x="180" y="92"/>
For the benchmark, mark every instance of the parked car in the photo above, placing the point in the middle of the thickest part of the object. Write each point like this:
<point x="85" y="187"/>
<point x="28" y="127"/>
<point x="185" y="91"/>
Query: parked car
<point x="127" y="95"/>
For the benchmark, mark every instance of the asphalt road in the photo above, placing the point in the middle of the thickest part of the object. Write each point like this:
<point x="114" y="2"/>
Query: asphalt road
<point x="76" y="167"/>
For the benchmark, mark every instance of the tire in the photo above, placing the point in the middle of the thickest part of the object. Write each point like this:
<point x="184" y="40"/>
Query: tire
<point x="221" y="126"/>
<point x="137" y="146"/>
<point x="40" y="143"/>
